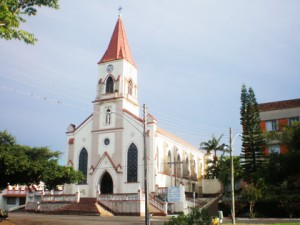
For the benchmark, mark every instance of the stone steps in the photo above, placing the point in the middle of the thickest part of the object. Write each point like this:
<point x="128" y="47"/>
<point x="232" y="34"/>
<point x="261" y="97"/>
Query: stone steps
<point x="103" y="212"/>
<point x="86" y="206"/>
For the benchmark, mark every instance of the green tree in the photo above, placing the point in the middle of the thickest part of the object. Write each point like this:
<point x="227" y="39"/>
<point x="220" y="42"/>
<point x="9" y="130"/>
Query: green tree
<point x="26" y="165"/>
<point x="290" y="203"/>
<point x="252" y="193"/>
<point x="213" y="145"/>
<point x="290" y="161"/>
<point x="12" y="14"/>
<point x="291" y="137"/>
<point x="273" y="172"/>
<point x="6" y="139"/>
<point x="283" y="170"/>
<point x="225" y="169"/>
<point x="252" y="138"/>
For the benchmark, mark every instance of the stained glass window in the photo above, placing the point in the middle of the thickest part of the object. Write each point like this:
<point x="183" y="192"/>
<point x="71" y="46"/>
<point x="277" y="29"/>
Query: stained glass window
<point x="132" y="163"/>
<point x="83" y="164"/>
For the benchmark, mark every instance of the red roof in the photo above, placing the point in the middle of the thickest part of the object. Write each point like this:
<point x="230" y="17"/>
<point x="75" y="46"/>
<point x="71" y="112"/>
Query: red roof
<point x="118" y="47"/>
<point x="286" y="104"/>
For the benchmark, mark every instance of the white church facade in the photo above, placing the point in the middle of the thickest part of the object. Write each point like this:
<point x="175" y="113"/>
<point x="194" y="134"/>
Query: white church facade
<point x="108" y="147"/>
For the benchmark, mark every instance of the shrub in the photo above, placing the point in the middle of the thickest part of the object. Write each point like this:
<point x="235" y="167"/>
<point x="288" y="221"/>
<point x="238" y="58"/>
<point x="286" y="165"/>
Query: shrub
<point x="196" y="216"/>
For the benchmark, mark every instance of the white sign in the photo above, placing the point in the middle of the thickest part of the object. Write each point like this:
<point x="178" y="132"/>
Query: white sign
<point x="174" y="194"/>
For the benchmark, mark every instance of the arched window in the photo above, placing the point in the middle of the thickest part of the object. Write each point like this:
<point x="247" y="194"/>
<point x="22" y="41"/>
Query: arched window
<point x="132" y="163"/>
<point x="158" y="159"/>
<point x="130" y="87"/>
<point x="107" y="116"/>
<point x="187" y="166"/>
<point x="169" y="159"/>
<point x="109" y="85"/>
<point x="83" y="164"/>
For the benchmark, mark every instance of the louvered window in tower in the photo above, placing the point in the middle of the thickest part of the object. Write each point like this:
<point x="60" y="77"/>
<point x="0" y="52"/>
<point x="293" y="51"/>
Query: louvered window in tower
<point x="130" y="87"/>
<point x="132" y="163"/>
<point x="83" y="164"/>
<point x="109" y="85"/>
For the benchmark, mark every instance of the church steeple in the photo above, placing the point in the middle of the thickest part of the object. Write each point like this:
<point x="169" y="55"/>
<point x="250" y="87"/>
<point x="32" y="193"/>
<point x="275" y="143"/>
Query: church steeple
<point x="118" y="47"/>
<point x="117" y="77"/>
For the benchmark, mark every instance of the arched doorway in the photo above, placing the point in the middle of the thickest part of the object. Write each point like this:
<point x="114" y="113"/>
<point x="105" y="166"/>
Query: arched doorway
<point x="106" y="184"/>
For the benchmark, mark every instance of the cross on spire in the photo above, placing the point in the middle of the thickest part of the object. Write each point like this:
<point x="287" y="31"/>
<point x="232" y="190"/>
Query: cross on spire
<point x="120" y="11"/>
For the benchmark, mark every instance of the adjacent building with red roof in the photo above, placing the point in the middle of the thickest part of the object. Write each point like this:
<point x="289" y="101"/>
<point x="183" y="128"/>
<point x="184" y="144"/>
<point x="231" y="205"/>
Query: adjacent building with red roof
<point x="275" y="116"/>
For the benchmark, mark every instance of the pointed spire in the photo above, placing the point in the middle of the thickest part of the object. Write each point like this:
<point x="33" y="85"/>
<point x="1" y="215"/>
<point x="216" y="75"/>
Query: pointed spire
<point x="118" y="47"/>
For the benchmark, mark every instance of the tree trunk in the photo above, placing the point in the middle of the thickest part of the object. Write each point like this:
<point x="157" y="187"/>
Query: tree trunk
<point x="251" y="210"/>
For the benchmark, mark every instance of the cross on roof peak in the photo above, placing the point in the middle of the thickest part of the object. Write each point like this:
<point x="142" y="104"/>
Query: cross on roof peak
<point x="120" y="11"/>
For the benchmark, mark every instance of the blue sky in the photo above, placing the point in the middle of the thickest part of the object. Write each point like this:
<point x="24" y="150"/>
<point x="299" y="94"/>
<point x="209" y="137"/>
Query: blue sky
<point x="192" y="58"/>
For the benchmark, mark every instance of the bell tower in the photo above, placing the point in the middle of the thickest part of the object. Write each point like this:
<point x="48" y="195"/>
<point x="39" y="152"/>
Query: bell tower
<point x="117" y="78"/>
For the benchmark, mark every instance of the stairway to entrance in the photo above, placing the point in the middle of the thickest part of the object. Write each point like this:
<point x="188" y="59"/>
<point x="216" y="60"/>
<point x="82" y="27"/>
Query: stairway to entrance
<point x="86" y="206"/>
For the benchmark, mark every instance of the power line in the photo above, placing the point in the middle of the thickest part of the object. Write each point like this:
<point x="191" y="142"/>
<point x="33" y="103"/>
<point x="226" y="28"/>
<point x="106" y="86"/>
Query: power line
<point x="44" y="98"/>
<point x="34" y="67"/>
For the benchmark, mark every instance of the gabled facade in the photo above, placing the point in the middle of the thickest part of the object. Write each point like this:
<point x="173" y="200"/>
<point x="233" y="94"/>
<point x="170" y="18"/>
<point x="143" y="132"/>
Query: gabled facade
<point x="274" y="116"/>
<point x="108" y="146"/>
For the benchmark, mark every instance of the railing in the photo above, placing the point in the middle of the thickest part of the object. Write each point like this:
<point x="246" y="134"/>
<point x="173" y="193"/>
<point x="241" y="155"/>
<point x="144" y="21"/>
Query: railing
<point x="158" y="204"/>
<point x="34" y="196"/>
<point x="109" y="95"/>
<point x="59" y="198"/>
<point x="120" y="197"/>
<point x="162" y="190"/>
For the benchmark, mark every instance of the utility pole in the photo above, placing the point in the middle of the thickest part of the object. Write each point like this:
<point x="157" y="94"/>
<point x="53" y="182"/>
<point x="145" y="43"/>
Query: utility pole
<point x="145" y="167"/>
<point x="232" y="178"/>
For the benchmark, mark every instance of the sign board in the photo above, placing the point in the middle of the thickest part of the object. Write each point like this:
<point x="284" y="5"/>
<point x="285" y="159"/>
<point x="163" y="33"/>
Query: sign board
<point x="174" y="194"/>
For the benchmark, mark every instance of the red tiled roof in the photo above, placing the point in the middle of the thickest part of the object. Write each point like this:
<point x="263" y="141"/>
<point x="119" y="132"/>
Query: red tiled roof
<point x="118" y="47"/>
<point x="269" y="106"/>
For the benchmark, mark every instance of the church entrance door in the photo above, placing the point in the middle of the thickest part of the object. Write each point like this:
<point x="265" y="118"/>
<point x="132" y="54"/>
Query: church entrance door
<point x="106" y="184"/>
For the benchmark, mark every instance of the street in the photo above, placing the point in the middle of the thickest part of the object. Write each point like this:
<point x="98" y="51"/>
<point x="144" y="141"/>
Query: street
<point x="23" y="218"/>
<point x="45" y="219"/>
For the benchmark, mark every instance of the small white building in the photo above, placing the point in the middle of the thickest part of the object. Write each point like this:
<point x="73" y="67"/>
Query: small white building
<point x="108" y="146"/>
<point x="13" y="197"/>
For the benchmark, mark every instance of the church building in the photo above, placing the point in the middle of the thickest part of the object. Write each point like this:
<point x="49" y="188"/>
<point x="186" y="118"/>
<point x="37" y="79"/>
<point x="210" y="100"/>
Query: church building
<point x="108" y="146"/>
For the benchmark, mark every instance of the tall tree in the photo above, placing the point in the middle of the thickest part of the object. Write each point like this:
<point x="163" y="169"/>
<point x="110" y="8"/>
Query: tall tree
<point x="12" y="15"/>
<point x="252" y="138"/>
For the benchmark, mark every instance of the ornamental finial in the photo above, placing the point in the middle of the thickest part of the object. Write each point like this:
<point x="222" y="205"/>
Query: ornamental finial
<point x="120" y="11"/>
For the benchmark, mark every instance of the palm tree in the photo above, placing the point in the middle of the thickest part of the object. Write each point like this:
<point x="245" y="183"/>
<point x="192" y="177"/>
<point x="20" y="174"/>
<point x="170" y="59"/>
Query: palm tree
<point x="213" y="145"/>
